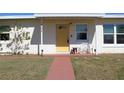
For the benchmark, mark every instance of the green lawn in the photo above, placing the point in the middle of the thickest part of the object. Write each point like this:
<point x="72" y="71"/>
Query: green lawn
<point x="102" y="67"/>
<point x="24" y="67"/>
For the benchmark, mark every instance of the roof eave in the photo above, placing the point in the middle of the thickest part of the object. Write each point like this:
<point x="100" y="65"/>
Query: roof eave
<point x="42" y="15"/>
<point x="113" y="17"/>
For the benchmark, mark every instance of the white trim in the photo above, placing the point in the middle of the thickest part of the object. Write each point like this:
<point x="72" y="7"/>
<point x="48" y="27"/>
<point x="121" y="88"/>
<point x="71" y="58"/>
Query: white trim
<point x="115" y="35"/>
<point x="99" y="15"/>
<point x="113" y="46"/>
<point x="113" y="16"/>
<point x="69" y="14"/>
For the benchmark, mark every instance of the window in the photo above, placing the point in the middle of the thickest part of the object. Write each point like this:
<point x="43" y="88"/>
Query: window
<point x="120" y="39"/>
<point x="108" y="39"/>
<point x="120" y="28"/>
<point x="4" y="36"/>
<point x="108" y="34"/>
<point x="120" y="34"/>
<point x="5" y="28"/>
<point x="113" y="36"/>
<point x="81" y="31"/>
<point x="4" y="32"/>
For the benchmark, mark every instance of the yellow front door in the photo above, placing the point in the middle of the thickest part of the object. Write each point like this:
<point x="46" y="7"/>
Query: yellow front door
<point x="62" y="38"/>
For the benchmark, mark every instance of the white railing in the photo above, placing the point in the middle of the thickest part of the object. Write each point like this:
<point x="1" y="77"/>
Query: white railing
<point x="84" y="49"/>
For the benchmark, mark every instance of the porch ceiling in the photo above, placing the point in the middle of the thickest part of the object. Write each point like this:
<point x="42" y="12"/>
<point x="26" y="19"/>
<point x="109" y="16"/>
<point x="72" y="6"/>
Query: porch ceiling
<point x="69" y="20"/>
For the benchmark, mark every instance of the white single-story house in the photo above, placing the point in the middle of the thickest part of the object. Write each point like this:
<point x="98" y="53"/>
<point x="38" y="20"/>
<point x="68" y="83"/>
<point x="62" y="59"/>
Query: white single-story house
<point x="59" y="33"/>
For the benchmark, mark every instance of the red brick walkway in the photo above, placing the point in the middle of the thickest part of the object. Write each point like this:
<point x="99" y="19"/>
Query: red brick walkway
<point x="61" y="69"/>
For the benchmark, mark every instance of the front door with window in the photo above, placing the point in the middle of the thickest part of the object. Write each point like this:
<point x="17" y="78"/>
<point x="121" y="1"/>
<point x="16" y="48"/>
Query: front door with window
<point x="62" y="38"/>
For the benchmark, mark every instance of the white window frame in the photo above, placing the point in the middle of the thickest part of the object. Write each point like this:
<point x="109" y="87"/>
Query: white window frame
<point x="115" y="44"/>
<point x="82" y="32"/>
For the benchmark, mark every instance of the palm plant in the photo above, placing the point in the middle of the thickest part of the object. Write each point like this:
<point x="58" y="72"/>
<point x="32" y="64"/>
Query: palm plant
<point x="16" y="44"/>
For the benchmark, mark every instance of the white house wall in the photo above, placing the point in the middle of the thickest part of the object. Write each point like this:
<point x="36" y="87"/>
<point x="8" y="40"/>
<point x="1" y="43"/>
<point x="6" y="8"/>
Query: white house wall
<point x="30" y="25"/>
<point x="107" y="48"/>
<point x="99" y="38"/>
<point x="4" y="43"/>
<point x="43" y="35"/>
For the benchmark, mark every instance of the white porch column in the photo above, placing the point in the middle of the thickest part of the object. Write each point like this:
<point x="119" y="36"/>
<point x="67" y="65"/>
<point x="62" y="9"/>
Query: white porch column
<point x="41" y="32"/>
<point x="38" y="31"/>
<point x="99" y="38"/>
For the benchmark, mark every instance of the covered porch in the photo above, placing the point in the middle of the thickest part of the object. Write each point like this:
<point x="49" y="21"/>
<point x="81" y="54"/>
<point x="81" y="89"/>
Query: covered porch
<point x="61" y="35"/>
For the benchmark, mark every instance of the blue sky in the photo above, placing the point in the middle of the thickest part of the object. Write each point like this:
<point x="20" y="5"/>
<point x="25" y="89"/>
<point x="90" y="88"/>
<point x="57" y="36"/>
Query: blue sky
<point x="12" y="14"/>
